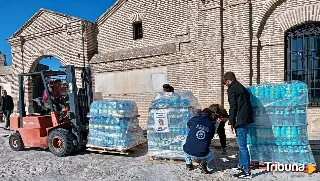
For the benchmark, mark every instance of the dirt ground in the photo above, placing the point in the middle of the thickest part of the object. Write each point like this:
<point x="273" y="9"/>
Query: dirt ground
<point x="39" y="165"/>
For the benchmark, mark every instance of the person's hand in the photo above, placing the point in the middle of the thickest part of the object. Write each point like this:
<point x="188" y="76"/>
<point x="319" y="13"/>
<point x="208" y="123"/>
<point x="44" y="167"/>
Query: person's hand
<point x="231" y="129"/>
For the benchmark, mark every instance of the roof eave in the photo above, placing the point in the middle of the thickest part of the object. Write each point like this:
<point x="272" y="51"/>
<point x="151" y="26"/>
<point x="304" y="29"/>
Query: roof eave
<point x="110" y="11"/>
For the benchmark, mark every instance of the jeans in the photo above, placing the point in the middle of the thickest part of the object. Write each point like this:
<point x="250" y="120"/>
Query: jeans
<point x="222" y="134"/>
<point x="244" y="158"/>
<point x="207" y="158"/>
<point x="7" y="114"/>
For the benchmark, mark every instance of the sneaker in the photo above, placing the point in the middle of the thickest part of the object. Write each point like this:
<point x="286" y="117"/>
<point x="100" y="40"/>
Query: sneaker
<point x="189" y="166"/>
<point x="203" y="167"/>
<point x="244" y="175"/>
<point x="237" y="169"/>
<point x="224" y="151"/>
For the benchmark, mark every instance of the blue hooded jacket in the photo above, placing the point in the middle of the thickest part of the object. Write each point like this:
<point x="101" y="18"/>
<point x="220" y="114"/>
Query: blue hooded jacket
<point x="199" y="138"/>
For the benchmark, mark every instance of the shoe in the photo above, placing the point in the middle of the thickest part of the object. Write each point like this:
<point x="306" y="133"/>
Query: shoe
<point x="237" y="169"/>
<point x="189" y="166"/>
<point x="244" y="175"/>
<point x="203" y="167"/>
<point x="6" y="128"/>
<point x="224" y="151"/>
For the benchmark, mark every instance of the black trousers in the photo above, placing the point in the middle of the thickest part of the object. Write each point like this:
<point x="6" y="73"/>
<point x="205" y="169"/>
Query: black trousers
<point x="222" y="134"/>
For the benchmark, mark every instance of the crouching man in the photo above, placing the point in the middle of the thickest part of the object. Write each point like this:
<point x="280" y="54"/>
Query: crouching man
<point x="197" y="146"/>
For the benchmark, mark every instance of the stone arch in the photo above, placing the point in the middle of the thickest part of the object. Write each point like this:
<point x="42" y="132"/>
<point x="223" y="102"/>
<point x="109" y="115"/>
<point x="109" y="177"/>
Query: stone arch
<point x="285" y="20"/>
<point x="30" y="66"/>
<point x="298" y="16"/>
<point x="264" y="15"/>
<point x="37" y="56"/>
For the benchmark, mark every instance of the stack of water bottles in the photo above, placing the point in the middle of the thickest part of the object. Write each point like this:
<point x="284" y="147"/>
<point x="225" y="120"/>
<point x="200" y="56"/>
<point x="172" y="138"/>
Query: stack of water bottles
<point x="176" y="109"/>
<point x="114" y="124"/>
<point x="279" y="133"/>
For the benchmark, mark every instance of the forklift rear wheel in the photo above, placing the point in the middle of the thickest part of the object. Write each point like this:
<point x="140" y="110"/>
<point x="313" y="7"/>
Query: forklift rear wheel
<point x="15" y="142"/>
<point x="60" y="142"/>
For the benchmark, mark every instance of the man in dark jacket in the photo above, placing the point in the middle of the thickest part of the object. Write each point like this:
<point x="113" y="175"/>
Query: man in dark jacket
<point x="7" y="108"/>
<point x="197" y="146"/>
<point x="240" y="116"/>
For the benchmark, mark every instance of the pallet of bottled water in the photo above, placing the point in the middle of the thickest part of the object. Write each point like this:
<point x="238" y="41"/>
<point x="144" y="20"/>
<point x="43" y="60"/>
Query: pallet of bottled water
<point x="167" y="123"/>
<point x="114" y="124"/>
<point x="279" y="132"/>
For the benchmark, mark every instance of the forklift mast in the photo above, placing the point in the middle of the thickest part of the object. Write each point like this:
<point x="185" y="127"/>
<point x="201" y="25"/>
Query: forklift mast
<point x="79" y="102"/>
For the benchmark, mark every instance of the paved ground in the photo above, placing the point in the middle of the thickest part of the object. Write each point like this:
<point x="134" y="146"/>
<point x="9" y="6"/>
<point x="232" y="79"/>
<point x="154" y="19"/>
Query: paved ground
<point x="42" y="165"/>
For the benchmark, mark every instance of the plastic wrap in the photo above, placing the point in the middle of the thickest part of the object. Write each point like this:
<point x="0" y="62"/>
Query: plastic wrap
<point x="175" y="99"/>
<point x="167" y="123"/>
<point x="279" y="132"/>
<point x="114" y="124"/>
<point x="288" y="94"/>
<point x="113" y="108"/>
<point x="282" y="154"/>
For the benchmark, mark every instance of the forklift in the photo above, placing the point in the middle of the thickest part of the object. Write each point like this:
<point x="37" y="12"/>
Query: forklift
<point x="65" y="129"/>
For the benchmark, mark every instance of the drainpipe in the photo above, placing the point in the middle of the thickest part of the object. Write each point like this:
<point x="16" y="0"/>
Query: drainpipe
<point x="22" y="41"/>
<point x="251" y="39"/>
<point x="83" y="45"/>
<point x="222" y="50"/>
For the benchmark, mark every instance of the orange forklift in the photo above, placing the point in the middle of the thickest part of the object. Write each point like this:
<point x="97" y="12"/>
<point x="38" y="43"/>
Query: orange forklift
<point x="64" y="128"/>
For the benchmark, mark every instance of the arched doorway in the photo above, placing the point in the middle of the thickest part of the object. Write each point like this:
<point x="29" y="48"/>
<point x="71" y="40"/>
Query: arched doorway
<point x="42" y="63"/>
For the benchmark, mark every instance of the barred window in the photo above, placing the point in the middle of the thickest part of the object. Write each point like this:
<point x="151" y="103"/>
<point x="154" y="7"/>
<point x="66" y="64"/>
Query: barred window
<point x="302" y="58"/>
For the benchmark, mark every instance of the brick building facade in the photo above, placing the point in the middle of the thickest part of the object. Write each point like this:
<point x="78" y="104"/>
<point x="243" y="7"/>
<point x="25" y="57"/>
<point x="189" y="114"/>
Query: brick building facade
<point x="135" y="46"/>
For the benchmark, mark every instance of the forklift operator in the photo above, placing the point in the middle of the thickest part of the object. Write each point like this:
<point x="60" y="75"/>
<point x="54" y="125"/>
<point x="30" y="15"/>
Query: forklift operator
<point x="54" y="92"/>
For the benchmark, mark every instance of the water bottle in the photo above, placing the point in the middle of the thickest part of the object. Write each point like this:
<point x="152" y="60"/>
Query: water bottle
<point x="297" y="115"/>
<point x="283" y="135"/>
<point x="281" y="116"/>
<point x="271" y="115"/>
<point x="93" y="109"/>
<point x="286" y="116"/>
<point x="289" y="136"/>
<point x="286" y="154"/>
<point x="261" y="95"/>
<point x="302" y="155"/>
<point x="292" y="117"/>
<point x="294" y="135"/>
<point x="301" y="115"/>
<point x="272" y="94"/>
<point x="277" y="134"/>
<point x="277" y="96"/>
<point x="267" y="90"/>
<point x="295" y="94"/>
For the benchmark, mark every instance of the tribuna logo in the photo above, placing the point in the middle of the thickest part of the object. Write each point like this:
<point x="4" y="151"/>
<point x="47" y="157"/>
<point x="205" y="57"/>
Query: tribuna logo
<point x="288" y="167"/>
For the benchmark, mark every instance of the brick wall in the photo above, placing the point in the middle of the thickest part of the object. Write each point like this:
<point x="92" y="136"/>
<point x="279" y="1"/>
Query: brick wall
<point x="183" y="35"/>
<point x="200" y="45"/>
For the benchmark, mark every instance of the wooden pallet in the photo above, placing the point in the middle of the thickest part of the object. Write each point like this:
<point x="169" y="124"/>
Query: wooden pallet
<point x="165" y="158"/>
<point x="172" y="159"/>
<point x="121" y="151"/>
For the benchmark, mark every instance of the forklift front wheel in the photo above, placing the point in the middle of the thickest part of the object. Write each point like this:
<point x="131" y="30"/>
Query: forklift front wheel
<point x="15" y="142"/>
<point x="60" y="142"/>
